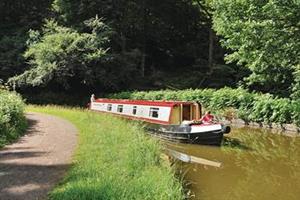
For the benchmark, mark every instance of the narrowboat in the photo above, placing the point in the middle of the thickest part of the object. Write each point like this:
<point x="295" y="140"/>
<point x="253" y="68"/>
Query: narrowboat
<point x="171" y="120"/>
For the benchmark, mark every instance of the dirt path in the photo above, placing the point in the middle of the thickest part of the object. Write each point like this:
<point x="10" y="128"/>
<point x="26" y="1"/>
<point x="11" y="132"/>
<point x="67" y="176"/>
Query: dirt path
<point x="30" y="168"/>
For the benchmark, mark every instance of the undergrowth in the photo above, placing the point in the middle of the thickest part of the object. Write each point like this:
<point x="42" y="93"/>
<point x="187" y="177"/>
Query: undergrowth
<point x="12" y="120"/>
<point x="230" y="103"/>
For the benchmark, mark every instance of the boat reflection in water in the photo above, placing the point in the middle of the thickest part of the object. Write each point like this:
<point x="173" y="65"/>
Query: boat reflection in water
<point x="256" y="165"/>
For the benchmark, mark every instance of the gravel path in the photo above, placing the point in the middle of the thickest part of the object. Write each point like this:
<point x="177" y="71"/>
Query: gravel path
<point x="30" y="168"/>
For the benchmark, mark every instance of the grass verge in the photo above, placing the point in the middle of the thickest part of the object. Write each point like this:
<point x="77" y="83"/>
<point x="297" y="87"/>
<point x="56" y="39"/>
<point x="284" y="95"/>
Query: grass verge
<point x="114" y="160"/>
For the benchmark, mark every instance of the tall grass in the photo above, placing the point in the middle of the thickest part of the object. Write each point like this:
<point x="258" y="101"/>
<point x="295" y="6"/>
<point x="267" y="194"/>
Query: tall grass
<point x="12" y="120"/>
<point x="114" y="160"/>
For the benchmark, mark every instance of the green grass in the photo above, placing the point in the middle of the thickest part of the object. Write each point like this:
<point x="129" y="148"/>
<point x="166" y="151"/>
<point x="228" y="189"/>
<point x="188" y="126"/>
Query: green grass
<point x="114" y="160"/>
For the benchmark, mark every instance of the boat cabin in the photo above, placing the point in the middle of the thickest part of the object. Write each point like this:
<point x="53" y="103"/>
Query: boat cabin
<point x="159" y="112"/>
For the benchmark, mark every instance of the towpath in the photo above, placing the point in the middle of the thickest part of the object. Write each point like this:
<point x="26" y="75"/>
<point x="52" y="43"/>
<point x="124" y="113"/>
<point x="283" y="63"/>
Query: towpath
<point x="31" y="167"/>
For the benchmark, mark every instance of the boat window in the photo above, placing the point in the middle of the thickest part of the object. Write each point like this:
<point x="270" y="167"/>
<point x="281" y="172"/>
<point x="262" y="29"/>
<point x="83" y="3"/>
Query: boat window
<point x="109" y="107"/>
<point x="134" y="110"/>
<point x="154" y="112"/>
<point x="120" y="108"/>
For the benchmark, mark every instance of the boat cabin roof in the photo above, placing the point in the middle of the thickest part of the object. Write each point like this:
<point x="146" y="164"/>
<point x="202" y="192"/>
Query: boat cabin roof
<point x="144" y="102"/>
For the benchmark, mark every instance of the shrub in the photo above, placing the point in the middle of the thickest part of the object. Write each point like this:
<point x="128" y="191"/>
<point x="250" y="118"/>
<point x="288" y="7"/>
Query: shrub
<point x="282" y="111"/>
<point x="12" y="120"/>
<point x="261" y="108"/>
<point x="295" y="106"/>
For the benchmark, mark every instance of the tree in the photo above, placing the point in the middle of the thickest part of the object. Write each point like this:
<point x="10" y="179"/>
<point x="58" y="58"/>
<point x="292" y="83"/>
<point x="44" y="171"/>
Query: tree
<point x="16" y="18"/>
<point x="167" y="34"/>
<point x="263" y="35"/>
<point x="207" y="12"/>
<point x="63" y="55"/>
<point x="150" y="41"/>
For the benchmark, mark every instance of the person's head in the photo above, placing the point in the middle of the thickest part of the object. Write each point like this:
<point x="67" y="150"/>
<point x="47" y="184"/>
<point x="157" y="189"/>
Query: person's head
<point x="207" y="112"/>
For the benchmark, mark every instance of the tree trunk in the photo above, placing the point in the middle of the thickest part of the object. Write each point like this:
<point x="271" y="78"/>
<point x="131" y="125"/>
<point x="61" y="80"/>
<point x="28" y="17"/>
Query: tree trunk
<point x="123" y="43"/>
<point x="210" y="56"/>
<point x="143" y="64"/>
<point x="143" y="58"/>
<point x="211" y="51"/>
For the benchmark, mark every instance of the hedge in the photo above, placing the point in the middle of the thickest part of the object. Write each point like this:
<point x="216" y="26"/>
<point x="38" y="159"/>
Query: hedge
<point x="12" y="120"/>
<point x="249" y="106"/>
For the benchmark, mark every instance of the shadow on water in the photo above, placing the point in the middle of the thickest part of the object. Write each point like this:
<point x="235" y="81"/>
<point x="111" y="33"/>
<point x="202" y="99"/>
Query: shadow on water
<point x="234" y="143"/>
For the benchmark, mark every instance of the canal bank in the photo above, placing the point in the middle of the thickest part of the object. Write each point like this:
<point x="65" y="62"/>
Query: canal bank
<point x="255" y="164"/>
<point x="284" y="129"/>
<point x="114" y="160"/>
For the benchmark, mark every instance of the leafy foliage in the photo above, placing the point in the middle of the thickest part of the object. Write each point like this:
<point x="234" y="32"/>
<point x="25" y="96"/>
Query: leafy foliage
<point x="148" y="41"/>
<point x="62" y="53"/>
<point x="150" y="44"/>
<point x="296" y="112"/>
<point x="264" y="36"/>
<point x="12" y="120"/>
<point x="17" y="17"/>
<point x="261" y="108"/>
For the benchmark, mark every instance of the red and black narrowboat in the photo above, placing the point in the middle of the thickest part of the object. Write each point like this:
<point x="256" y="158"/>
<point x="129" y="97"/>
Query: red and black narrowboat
<point x="172" y="120"/>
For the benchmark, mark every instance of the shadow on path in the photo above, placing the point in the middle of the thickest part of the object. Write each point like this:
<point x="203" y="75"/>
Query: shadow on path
<point x="31" y="167"/>
<point x="28" y="181"/>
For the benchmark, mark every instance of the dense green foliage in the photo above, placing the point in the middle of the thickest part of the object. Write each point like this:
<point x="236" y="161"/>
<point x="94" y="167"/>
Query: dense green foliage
<point x="114" y="160"/>
<point x="16" y="19"/>
<point x="264" y="36"/>
<point x="251" y="107"/>
<point x="71" y="47"/>
<point x="12" y="120"/>
<point x="149" y="44"/>
<point x="63" y="55"/>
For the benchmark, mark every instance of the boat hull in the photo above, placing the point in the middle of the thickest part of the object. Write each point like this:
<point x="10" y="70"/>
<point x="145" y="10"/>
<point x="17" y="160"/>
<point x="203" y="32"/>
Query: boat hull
<point x="177" y="133"/>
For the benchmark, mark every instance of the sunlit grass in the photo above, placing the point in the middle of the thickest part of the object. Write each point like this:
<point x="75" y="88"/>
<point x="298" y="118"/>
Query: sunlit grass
<point x="114" y="160"/>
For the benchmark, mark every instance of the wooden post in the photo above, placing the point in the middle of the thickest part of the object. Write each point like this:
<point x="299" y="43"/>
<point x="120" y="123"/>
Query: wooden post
<point x="197" y="111"/>
<point x="191" y="112"/>
<point x="181" y="113"/>
<point x="200" y="110"/>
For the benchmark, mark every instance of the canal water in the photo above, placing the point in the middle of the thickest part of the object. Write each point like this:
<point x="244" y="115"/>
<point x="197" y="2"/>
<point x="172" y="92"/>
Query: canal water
<point x="256" y="165"/>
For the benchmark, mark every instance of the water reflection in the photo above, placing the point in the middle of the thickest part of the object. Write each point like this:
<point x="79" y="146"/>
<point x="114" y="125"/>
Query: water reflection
<point x="256" y="165"/>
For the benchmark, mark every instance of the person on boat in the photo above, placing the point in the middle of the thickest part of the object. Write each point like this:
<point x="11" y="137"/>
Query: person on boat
<point x="93" y="98"/>
<point x="208" y="118"/>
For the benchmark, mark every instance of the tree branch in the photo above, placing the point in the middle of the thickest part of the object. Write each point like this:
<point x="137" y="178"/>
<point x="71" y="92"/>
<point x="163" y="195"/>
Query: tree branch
<point x="204" y="9"/>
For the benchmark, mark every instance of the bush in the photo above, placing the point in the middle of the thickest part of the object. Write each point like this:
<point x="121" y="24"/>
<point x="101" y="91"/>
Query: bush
<point x="261" y="108"/>
<point x="12" y="120"/>
<point x="295" y="106"/>
<point x="282" y="111"/>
